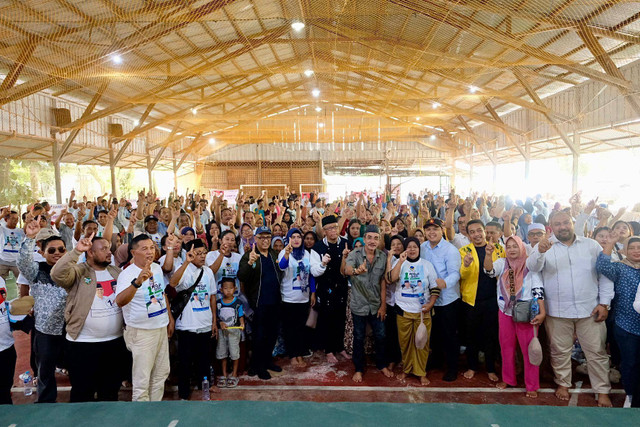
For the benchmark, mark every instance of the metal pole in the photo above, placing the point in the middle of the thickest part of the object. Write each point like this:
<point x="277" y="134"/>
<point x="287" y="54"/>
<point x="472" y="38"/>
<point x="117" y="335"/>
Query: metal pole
<point x="56" y="169"/>
<point x="112" y="166"/>
<point x="576" y="162"/>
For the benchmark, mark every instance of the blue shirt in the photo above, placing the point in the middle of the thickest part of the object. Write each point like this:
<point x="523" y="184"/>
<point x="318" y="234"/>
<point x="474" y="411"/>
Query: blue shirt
<point x="625" y="283"/>
<point x="162" y="228"/>
<point x="269" y="283"/>
<point x="446" y="260"/>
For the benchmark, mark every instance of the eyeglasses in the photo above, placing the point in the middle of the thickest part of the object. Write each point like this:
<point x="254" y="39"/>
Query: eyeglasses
<point x="333" y="227"/>
<point x="60" y="249"/>
<point x="263" y="237"/>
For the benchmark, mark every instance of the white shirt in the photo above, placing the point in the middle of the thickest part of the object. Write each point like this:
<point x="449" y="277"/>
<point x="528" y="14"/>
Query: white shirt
<point x="177" y="263"/>
<point x="572" y="286"/>
<point x="147" y="309"/>
<point x="104" y="321"/>
<point x="10" y="241"/>
<point x="460" y="240"/>
<point x="197" y="315"/>
<point x="416" y="278"/>
<point x="6" y="337"/>
<point x="228" y="267"/>
<point x="294" y="286"/>
<point x="532" y="281"/>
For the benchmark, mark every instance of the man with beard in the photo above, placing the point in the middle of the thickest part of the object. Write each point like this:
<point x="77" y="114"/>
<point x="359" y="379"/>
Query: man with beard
<point x="578" y="302"/>
<point x="93" y="320"/>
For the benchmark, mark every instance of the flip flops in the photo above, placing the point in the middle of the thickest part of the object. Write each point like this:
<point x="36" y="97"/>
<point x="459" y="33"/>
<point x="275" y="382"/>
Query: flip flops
<point x="232" y="382"/>
<point x="222" y="382"/>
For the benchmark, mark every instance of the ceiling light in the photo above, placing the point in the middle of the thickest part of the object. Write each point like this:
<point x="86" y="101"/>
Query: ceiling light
<point x="432" y="137"/>
<point x="315" y="93"/>
<point x="436" y="105"/>
<point x="321" y="125"/>
<point x="117" y="59"/>
<point x="212" y="141"/>
<point x="194" y="111"/>
<point x="318" y="109"/>
<point x="308" y="73"/>
<point x="473" y="89"/>
<point x="136" y="122"/>
<point x="297" y="26"/>
<point x="418" y="119"/>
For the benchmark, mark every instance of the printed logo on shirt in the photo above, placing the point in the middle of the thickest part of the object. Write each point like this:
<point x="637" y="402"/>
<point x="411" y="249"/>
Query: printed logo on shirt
<point x="154" y="298"/>
<point x="11" y="242"/>
<point x="301" y="279"/>
<point x="200" y="298"/>
<point x="227" y="269"/>
<point x="413" y="280"/>
<point x="227" y="314"/>
<point x="104" y="304"/>
<point x="4" y="313"/>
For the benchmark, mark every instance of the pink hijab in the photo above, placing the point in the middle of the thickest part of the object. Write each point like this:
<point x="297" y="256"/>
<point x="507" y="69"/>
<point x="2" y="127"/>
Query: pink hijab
<point x="519" y="268"/>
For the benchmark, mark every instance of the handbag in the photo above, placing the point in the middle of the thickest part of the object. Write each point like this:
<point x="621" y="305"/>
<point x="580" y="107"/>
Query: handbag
<point x="182" y="298"/>
<point x="521" y="309"/>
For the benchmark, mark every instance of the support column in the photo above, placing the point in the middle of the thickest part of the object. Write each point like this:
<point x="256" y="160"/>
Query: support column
<point x="112" y="166"/>
<point x="149" y="165"/>
<point x="452" y="180"/>
<point x="576" y="162"/>
<point x="471" y="171"/>
<point x="56" y="168"/>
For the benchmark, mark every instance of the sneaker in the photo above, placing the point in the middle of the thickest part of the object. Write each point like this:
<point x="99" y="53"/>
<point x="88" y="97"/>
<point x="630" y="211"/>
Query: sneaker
<point x="275" y="368"/>
<point x="222" y="382"/>
<point x="232" y="382"/>
<point x="264" y="375"/>
<point x="627" y="402"/>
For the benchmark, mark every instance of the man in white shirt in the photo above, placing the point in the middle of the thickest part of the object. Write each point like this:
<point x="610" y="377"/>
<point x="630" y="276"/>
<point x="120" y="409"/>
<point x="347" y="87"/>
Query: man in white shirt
<point x="140" y="293"/>
<point x="577" y="303"/>
<point x="11" y="238"/>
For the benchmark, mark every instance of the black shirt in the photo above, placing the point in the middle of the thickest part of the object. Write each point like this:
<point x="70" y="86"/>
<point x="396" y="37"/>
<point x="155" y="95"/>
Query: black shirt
<point x="269" y="284"/>
<point x="486" y="284"/>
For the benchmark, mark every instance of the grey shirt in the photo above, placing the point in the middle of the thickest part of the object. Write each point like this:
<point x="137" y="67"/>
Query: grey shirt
<point x="365" y="287"/>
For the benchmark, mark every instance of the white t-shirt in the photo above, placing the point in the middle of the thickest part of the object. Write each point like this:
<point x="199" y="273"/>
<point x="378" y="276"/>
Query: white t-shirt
<point x="148" y="308"/>
<point x="228" y="267"/>
<point x="416" y="278"/>
<point x="104" y="321"/>
<point x="460" y="240"/>
<point x="10" y="241"/>
<point x="157" y="237"/>
<point x="6" y="337"/>
<point x="295" y="283"/>
<point x="177" y="263"/>
<point x="197" y="315"/>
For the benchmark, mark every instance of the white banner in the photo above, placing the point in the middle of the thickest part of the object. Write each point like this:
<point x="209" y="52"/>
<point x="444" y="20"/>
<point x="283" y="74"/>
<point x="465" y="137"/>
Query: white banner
<point x="230" y="196"/>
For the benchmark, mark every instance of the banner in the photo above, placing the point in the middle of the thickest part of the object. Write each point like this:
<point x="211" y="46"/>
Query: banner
<point x="216" y="193"/>
<point x="324" y="196"/>
<point x="56" y="210"/>
<point x="230" y="196"/>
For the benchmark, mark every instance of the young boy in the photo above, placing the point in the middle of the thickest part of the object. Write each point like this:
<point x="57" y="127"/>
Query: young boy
<point x="231" y="319"/>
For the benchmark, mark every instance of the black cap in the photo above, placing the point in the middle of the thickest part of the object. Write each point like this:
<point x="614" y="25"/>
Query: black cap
<point x="330" y="219"/>
<point x="150" y="218"/>
<point x="433" y="221"/>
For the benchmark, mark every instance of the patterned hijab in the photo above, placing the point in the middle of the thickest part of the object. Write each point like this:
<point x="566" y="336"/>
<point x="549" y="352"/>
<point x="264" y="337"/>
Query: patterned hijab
<point x="514" y="269"/>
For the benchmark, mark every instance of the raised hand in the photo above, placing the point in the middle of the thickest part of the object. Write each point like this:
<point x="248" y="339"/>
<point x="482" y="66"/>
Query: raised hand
<point x="225" y="251"/>
<point x="326" y="258"/>
<point x="145" y="274"/>
<point x="288" y="249"/>
<point x="490" y="247"/>
<point x="113" y="213"/>
<point x="172" y="241"/>
<point x="191" y="256"/>
<point x="362" y="268"/>
<point x="32" y="228"/>
<point x="253" y="255"/>
<point x="345" y="252"/>
<point x="544" y="245"/>
<point x="403" y="257"/>
<point x="468" y="259"/>
<point x="85" y="243"/>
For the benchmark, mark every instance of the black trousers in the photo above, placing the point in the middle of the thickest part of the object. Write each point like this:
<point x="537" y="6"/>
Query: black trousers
<point x="391" y="343"/>
<point x="294" y="318"/>
<point x="94" y="367"/>
<point x="332" y="318"/>
<point x="265" y="327"/>
<point x="445" y="346"/>
<point x="482" y="333"/>
<point x="7" y="371"/>
<point x="194" y="353"/>
<point x="49" y="350"/>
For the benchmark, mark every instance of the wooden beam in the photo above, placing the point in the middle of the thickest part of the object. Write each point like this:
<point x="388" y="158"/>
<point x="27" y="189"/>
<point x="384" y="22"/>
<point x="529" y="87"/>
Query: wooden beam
<point x="18" y="65"/>
<point x="476" y="139"/>
<point x="189" y="149"/>
<point x="554" y="123"/>
<point x="87" y="111"/>
<point x="508" y="135"/>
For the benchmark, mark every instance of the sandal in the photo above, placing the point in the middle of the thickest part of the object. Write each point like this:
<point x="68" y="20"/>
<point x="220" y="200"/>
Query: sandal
<point x="232" y="382"/>
<point x="222" y="382"/>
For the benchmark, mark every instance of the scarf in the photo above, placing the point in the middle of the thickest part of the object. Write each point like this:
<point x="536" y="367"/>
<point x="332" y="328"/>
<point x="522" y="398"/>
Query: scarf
<point x="515" y="269"/>
<point x="626" y="260"/>
<point x="244" y="241"/>
<point x="297" y="253"/>
<point x="417" y="242"/>
<point x="522" y="224"/>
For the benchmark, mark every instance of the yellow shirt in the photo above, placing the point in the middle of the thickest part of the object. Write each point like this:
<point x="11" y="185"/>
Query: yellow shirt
<point x="469" y="275"/>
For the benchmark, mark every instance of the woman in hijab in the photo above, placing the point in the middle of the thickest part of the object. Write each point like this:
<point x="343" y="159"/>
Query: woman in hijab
<point x="353" y="232"/>
<point x="297" y="289"/>
<point x="277" y="243"/>
<point x="247" y="239"/>
<point x="625" y="275"/>
<point x="516" y="283"/>
<point x="416" y="292"/>
<point x="523" y="227"/>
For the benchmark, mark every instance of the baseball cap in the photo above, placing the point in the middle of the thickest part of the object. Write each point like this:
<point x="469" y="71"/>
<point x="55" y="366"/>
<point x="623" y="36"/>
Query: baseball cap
<point x="150" y="218"/>
<point x="433" y="221"/>
<point x="262" y="230"/>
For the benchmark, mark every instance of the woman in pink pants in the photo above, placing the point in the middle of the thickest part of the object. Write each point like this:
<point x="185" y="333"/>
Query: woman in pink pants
<point x="516" y="283"/>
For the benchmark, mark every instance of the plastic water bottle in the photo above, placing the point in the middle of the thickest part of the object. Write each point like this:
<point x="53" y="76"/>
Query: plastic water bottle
<point x="26" y="379"/>
<point x="535" y="308"/>
<point x="205" y="389"/>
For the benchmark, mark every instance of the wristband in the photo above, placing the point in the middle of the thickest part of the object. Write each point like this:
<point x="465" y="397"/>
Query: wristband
<point x="135" y="285"/>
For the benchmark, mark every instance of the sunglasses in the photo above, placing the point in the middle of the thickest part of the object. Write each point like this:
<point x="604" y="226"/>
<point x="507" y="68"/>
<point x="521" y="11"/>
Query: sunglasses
<point x="60" y="249"/>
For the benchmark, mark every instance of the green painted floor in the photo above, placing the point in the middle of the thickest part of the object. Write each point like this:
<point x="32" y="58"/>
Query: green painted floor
<point x="246" y="413"/>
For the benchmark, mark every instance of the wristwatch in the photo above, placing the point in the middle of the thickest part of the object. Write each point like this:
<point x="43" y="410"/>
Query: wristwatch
<point x="607" y="306"/>
<point x="135" y="285"/>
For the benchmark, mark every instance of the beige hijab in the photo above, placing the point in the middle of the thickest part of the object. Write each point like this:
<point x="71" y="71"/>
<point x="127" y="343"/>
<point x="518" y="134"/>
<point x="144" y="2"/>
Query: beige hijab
<point x="626" y="260"/>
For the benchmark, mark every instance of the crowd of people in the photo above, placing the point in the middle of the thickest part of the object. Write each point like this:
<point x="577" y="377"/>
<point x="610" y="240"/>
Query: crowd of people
<point x="111" y="283"/>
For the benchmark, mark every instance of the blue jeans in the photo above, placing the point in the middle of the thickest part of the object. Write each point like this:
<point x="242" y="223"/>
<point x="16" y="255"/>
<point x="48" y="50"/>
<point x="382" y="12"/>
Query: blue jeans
<point x="629" y="358"/>
<point x="359" y="332"/>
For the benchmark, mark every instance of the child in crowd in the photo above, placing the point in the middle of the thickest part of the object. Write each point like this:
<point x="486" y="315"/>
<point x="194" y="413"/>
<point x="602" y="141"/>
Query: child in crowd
<point x="231" y="318"/>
